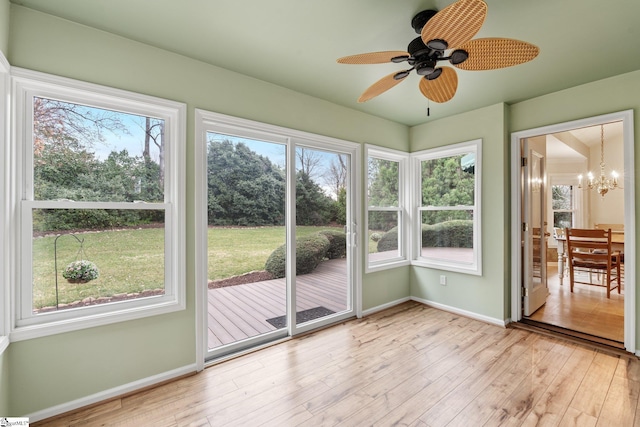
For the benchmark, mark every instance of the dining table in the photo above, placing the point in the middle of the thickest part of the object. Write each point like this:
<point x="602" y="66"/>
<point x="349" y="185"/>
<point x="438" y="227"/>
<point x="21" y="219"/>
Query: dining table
<point x="617" y="244"/>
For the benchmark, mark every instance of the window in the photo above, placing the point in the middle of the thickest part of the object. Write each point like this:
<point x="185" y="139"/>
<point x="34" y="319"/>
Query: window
<point x="386" y="217"/>
<point x="563" y="205"/>
<point x="447" y="226"/>
<point x="100" y="207"/>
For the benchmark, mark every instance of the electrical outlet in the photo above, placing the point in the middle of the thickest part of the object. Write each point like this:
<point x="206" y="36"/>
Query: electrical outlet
<point x="443" y="280"/>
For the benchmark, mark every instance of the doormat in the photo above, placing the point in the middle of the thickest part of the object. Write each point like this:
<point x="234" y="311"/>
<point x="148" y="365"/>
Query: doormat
<point x="301" y="316"/>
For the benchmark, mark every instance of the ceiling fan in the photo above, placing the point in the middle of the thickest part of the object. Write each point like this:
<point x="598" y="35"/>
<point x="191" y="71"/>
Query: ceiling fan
<point x="446" y="36"/>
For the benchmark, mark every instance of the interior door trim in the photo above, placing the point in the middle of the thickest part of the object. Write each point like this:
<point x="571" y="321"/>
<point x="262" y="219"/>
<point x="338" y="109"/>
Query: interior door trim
<point x="629" y="214"/>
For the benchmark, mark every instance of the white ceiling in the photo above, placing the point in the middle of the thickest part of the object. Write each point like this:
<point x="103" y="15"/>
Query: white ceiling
<point x="295" y="44"/>
<point x="589" y="136"/>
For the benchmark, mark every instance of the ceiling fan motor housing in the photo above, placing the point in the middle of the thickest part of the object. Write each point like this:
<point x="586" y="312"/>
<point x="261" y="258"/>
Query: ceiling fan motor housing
<point x="422" y="18"/>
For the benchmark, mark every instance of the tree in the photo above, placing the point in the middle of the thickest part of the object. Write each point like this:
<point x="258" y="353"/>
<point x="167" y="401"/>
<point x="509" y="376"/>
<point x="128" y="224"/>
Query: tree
<point x="154" y="132"/>
<point x="313" y="207"/>
<point x="57" y="123"/>
<point x="445" y="183"/>
<point x="308" y="161"/>
<point x="336" y="174"/>
<point x="244" y="188"/>
<point x="384" y="182"/>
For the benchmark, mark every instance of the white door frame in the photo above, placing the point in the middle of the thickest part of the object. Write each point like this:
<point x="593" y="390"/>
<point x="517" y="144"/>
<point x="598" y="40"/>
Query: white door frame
<point x="629" y="214"/>
<point x="206" y="120"/>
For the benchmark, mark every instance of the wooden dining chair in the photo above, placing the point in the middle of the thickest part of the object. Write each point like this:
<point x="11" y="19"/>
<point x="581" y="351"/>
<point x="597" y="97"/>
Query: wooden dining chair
<point x="589" y="250"/>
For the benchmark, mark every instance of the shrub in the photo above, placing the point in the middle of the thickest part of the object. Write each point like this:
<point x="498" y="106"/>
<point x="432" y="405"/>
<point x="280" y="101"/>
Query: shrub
<point x="389" y="241"/>
<point x="375" y="237"/>
<point x="337" y="243"/>
<point x="448" y="234"/>
<point x="456" y="233"/>
<point x="310" y="250"/>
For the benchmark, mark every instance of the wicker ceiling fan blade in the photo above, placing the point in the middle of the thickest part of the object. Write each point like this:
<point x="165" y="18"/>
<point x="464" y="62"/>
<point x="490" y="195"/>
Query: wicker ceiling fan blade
<point x="442" y="88"/>
<point x="381" y="86"/>
<point x="493" y="53"/>
<point x="456" y="23"/>
<point x="373" y="57"/>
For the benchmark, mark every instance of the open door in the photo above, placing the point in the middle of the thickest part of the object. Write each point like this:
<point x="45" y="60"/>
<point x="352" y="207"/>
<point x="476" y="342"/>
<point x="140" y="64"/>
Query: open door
<point x="534" y="230"/>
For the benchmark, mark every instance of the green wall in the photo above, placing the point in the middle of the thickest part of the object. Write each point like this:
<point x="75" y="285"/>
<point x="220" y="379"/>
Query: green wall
<point x="484" y="294"/>
<point x="5" y="407"/>
<point x="4" y="26"/>
<point x="97" y="359"/>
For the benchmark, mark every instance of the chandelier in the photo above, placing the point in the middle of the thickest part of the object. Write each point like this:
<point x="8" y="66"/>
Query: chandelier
<point x="602" y="184"/>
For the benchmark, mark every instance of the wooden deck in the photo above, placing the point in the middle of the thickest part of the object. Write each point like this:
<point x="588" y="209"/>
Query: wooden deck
<point x="241" y="311"/>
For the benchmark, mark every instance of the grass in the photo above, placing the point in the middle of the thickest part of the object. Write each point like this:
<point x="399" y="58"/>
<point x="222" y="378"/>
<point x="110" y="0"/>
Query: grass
<point x="235" y="251"/>
<point x="132" y="260"/>
<point x="128" y="261"/>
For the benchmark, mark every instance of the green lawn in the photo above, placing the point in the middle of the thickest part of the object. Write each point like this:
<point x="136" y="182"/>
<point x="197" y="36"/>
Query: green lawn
<point x="234" y="251"/>
<point x="131" y="260"/>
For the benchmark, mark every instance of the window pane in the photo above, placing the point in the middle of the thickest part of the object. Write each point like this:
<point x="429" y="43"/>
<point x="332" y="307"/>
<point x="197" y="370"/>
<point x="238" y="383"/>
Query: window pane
<point x="561" y="197"/>
<point x="383" y="182"/>
<point x="384" y="239"/>
<point x="91" y="154"/>
<point x="562" y="219"/>
<point x="129" y="260"/>
<point x="448" y="181"/>
<point x="448" y="235"/>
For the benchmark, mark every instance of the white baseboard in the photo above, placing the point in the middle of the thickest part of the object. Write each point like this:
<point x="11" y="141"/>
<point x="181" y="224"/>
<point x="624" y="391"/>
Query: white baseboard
<point x="385" y="306"/>
<point x="461" y="312"/>
<point x="110" y="394"/>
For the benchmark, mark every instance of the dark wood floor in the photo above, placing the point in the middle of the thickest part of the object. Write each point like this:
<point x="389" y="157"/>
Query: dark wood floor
<point x="411" y="365"/>
<point x="241" y="311"/>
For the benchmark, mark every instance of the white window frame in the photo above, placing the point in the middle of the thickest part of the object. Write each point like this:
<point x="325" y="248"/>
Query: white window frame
<point x="28" y="84"/>
<point x="578" y="208"/>
<point x="475" y="267"/>
<point x="404" y="221"/>
<point x="5" y="252"/>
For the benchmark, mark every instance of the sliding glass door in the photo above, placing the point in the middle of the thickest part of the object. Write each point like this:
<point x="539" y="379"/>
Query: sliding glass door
<point x="277" y="236"/>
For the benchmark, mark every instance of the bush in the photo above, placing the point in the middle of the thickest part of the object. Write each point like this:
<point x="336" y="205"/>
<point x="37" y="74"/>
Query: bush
<point x="310" y="250"/>
<point x="449" y="234"/>
<point x="389" y="241"/>
<point x="457" y="233"/>
<point x="375" y="237"/>
<point x="337" y="243"/>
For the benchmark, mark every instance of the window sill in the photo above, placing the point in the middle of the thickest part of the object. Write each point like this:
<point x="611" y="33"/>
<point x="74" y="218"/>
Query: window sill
<point x="455" y="267"/>
<point x="27" y="332"/>
<point x="372" y="268"/>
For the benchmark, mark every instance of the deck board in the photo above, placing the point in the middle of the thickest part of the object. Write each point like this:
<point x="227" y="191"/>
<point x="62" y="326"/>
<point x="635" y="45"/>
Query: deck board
<point x="241" y="311"/>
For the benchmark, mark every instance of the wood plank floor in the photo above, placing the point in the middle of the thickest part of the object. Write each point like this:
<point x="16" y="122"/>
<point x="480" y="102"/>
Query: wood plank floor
<point x="241" y="311"/>
<point x="586" y="310"/>
<point x="411" y="365"/>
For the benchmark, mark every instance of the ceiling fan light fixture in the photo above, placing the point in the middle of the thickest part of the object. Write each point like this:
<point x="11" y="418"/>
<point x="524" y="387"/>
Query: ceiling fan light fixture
<point x="438" y="44"/>
<point x="426" y="67"/>
<point x="459" y="56"/>
<point x="399" y="59"/>
<point x="434" y="75"/>
<point x="401" y="74"/>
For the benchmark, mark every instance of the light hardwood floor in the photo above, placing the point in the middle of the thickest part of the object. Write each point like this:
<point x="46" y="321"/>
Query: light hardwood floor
<point x="586" y="310"/>
<point x="410" y="365"/>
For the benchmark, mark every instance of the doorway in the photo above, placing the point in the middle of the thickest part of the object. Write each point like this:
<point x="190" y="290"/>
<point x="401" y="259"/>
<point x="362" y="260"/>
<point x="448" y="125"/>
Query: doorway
<point x="551" y="196"/>
<point x="277" y="225"/>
